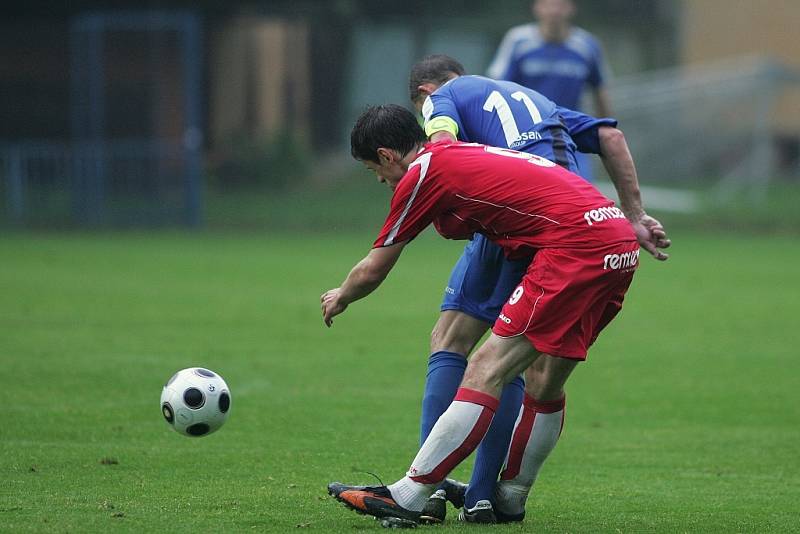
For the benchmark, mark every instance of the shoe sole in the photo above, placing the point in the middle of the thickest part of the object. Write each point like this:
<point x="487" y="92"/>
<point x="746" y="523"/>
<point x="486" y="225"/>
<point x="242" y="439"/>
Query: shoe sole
<point x="396" y="522"/>
<point x="430" y="520"/>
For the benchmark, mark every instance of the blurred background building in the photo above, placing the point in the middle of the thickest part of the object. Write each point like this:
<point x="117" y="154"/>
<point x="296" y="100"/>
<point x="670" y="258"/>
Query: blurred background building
<point x="123" y="116"/>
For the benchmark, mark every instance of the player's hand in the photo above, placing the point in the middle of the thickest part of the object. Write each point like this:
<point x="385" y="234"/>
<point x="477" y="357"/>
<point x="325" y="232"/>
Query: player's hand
<point x="332" y="305"/>
<point x="651" y="236"/>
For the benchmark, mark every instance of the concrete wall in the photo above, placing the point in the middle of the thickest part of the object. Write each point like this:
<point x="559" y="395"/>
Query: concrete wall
<point x="716" y="29"/>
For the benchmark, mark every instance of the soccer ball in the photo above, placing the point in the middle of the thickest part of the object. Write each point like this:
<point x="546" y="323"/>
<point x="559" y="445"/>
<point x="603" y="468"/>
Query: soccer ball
<point x="195" y="401"/>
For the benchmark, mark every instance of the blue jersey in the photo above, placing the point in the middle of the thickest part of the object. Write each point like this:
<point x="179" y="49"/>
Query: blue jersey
<point x="507" y="115"/>
<point x="560" y="71"/>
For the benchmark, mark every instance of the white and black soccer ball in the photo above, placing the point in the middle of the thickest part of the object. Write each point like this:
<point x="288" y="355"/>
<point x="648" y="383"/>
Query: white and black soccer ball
<point x="195" y="401"/>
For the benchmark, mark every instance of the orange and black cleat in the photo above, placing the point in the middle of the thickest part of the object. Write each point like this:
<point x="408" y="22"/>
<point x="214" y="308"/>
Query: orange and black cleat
<point x="372" y="500"/>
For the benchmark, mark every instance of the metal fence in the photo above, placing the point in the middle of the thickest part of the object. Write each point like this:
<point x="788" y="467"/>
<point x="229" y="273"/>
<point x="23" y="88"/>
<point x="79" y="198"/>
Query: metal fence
<point x="706" y="126"/>
<point x="133" y="156"/>
<point x="120" y="183"/>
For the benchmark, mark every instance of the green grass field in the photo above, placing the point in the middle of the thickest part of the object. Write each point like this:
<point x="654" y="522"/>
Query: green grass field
<point x="685" y="418"/>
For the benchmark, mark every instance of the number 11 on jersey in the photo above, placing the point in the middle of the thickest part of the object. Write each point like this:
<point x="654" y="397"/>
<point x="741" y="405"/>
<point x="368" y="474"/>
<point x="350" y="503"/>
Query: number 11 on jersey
<point x="497" y="103"/>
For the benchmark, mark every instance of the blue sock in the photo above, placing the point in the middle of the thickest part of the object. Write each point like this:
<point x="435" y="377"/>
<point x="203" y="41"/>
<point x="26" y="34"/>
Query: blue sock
<point x="492" y="451"/>
<point x="445" y="371"/>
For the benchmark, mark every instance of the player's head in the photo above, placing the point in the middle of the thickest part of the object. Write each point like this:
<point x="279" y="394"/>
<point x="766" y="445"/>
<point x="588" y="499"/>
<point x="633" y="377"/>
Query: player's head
<point x="385" y="138"/>
<point x="553" y="12"/>
<point x="429" y="74"/>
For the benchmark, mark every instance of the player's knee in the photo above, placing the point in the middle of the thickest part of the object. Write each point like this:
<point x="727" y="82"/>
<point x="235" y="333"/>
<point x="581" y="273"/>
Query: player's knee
<point x="484" y="374"/>
<point x="449" y="344"/>
<point x="447" y="336"/>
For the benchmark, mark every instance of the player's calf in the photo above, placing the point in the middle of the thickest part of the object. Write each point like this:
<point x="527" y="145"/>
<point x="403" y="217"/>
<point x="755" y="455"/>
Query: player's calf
<point x="535" y="436"/>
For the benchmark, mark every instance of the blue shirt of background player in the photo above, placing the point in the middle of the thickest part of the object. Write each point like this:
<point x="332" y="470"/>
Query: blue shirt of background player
<point x="553" y="132"/>
<point x="560" y="71"/>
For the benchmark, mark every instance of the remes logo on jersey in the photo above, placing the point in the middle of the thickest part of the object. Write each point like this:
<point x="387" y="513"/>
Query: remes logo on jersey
<point x="524" y="137"/>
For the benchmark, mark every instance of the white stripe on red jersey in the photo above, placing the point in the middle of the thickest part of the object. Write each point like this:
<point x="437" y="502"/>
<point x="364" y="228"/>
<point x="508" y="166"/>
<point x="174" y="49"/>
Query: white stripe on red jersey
<point x="520" y="201"/>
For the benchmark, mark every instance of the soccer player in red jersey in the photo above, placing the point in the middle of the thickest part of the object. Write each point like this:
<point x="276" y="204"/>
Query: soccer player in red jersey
<point x="586" y="253"/>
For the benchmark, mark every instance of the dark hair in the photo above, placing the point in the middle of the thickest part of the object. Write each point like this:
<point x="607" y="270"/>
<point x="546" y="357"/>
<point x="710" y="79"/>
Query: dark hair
<point x="388" y="126"/>
<point x="437" y="69"/>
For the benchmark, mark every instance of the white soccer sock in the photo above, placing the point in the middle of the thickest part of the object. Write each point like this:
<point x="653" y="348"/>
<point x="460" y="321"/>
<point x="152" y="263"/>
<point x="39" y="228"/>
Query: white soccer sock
<point x="535" y="436"/>
<point x="411" y="495"/>
<point x="454" y="436"/>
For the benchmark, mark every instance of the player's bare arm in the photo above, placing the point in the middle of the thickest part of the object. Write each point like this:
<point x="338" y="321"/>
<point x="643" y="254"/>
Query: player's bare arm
<point x="617" y="159"/>
<point x="364" y="278"/>
<point x="602" y="102"/>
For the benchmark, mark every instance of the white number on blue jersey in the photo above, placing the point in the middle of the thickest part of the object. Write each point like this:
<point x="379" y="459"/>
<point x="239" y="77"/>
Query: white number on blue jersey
<point x="496" y="102"/>
<point x="519" y="96"/>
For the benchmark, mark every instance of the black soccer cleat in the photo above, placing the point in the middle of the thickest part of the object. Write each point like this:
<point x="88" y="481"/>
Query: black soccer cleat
<point x="455" y="491"/>
<point x="376" y="501"/>
<point x="508" y="518"/>
<point x="508" y="497"/>
<point x="435" y="509"/>
<point x="482" y="512"/>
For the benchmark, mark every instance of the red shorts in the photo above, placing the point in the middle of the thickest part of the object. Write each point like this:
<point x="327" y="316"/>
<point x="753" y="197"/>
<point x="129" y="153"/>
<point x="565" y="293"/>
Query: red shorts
<point x="568" y="296"/>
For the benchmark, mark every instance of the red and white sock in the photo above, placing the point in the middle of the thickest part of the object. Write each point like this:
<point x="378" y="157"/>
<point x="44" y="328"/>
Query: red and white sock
<point x="454" y="436"/>
<point x="535" y="436"/>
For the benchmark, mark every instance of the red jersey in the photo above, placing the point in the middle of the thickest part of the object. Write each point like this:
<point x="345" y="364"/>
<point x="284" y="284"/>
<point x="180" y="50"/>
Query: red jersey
<point x="520" y="201"/>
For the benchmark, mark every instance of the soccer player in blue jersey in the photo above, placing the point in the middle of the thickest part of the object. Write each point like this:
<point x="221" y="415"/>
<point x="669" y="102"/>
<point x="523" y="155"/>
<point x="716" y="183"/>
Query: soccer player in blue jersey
<point x="556" y="59"/>
<point x="507" y="115"/>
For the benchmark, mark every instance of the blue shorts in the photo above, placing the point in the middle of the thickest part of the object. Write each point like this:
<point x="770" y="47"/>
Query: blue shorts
<point x="482" y="280"/>
<point x="584" y="169"/>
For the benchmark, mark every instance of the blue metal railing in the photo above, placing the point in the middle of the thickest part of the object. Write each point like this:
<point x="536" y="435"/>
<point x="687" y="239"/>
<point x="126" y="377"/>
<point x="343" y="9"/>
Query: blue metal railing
<point x="131" y="182"/>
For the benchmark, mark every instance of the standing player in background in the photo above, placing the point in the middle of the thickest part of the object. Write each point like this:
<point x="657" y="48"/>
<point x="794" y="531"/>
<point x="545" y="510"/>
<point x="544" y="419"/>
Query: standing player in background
<point x="506" y="115"/>
<point x="556" y="59"/>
